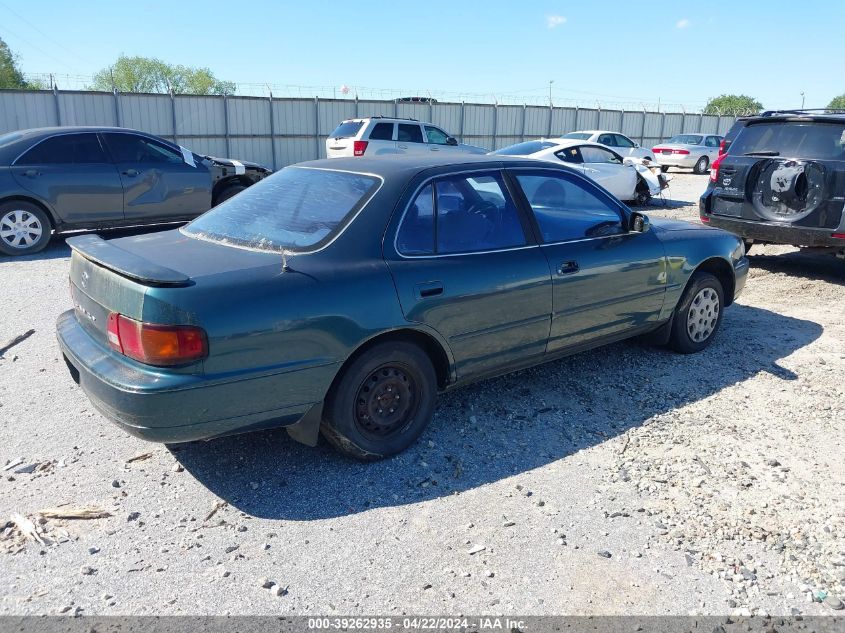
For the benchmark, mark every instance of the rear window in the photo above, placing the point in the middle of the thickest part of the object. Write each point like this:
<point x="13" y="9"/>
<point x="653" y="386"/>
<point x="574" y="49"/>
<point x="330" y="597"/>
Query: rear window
<point x="578" y="136"/>
<point x="686" y="139"/>
<point x="523" y="149"/>
<point x="294" y="210"/>
<point x="792" y="139"/>
<point x="346" y="129"/>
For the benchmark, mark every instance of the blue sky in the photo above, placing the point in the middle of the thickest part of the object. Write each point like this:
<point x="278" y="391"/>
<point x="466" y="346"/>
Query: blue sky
<point x="616" y="51"/>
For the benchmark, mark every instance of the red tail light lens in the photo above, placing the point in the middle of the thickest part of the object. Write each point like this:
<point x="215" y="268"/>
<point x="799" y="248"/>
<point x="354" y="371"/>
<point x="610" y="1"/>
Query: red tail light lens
<point x="680" y="151"/>
<point x="840" y="236"/>
<point x="714" y="168"/>
<point x="359" y="147"/>
<point x="722" y="148"/>
<point x="155" y="344"/>
<point x="656" y="149"/>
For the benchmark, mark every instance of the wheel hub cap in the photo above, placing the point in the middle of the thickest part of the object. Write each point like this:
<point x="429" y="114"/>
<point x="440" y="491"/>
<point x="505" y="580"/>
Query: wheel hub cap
<point x="20" y="229"/>
<point x="703" y="315"/>
<point x="384" y="401"/>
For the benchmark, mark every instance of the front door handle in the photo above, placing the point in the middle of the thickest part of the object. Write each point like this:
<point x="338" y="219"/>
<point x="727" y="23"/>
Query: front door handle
<point x="130" y="172"/>
<point x="31" y="173"/>
<point x="429" y="289"/>
<point x="403" y="147"/>
<point x="567" y="268"/>
<point x="434" y="149"/>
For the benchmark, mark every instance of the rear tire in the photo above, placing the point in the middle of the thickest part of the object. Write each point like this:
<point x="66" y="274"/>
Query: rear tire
<point x="382" y="402"/>
<point x="748" y="246"/>
<point x="24" y="228"/>
<point x="228" y="192"/>
<point x="701" y="165"/>
<point x="698" y="314"/>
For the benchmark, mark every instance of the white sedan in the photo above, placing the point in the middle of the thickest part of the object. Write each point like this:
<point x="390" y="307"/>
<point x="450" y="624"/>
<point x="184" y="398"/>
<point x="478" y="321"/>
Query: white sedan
<point x="627" y="179"/>
<point x="619" y="143"/>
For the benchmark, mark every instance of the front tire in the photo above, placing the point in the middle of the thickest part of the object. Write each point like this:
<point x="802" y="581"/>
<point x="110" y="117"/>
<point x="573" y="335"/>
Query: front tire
<point x="382" y="402"/>
<point x="701" y="165"/>
<point x="24" y="228"/>
<point x="698" y="315"/>
<point x="228" y="192"/>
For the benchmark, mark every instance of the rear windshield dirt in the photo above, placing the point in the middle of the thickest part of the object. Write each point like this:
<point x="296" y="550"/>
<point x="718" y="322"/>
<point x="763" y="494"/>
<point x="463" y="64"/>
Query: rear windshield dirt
<point x="792" y="139"/>
<point x="296" y="209"/>
<point x="347" y="129"/>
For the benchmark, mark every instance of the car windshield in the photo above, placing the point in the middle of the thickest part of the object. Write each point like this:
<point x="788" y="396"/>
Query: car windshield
<point x="294" y="210"/>
<point x="11" y="137"/>
<point x="686" y="139"/>
<point x="792" y="139"/>
<point x="524" y="149"/>
<point x="346" y="129"/>
<point x="578" y="136"/>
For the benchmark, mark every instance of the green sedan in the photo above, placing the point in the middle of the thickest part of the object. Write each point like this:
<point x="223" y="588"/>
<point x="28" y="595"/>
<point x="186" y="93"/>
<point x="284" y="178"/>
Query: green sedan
<point x="341" y="296"/>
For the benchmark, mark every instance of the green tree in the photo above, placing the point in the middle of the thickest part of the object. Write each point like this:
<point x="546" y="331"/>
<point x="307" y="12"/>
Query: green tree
<point x="733" y="105"/>
<point x="11" y="76"/>
<point x="837" y="103"/>
<point x="147" y="74"/>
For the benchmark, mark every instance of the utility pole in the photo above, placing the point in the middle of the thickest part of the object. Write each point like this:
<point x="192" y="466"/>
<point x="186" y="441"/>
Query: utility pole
<point x="802" y="99"/>
<point x="551" y="81"/>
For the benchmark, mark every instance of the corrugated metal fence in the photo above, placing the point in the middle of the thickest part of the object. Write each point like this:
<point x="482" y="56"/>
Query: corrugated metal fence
<point x="278" y="132"/>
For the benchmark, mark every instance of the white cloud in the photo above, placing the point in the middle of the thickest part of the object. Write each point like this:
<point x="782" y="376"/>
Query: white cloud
<point x="553" y="21"/>
<point x="683" y="23"/>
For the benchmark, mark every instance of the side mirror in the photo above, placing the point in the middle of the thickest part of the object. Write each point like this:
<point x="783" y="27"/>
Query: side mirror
<point x="637" y="145"/>
<point x="451" y="141"/>
<point x="639" y="222"/>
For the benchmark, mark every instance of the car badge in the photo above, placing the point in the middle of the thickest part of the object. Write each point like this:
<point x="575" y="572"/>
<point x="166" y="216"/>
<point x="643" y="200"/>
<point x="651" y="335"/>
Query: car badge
<point x="726" y="182"/>
<point x="84" y="278"/>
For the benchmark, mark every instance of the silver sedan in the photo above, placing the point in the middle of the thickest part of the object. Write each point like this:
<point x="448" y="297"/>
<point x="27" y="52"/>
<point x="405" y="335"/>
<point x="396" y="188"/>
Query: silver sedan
<point x="695" y="151"/>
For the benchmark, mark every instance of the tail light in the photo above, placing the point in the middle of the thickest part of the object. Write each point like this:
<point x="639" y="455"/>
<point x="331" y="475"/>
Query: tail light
<point x="359" y="147"/>
<point x="714" y="168"/>
<point x="723" y="146"/>
<point x="656" y="150"/>
<point x="155" y="344"/>
<point x="680" y="151"/>
<point x="840" y="236"/>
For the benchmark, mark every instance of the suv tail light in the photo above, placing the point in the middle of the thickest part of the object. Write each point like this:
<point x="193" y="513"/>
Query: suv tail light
<point x="714" y="168"/>
<point x="359" y="147"/>
<point x="722" y="146"/>
<point x="156" y="344"/>
<point x="839" y="236"/>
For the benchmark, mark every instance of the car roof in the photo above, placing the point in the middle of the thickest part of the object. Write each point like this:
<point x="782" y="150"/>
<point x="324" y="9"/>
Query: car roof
<point x="409" y="164"/>
<point x="28" y="137"/>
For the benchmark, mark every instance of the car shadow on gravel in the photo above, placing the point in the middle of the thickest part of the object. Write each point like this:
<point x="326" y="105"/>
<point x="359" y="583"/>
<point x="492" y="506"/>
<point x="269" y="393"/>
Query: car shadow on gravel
<point x="500" y="427"/>
<point x="803" y="265"/>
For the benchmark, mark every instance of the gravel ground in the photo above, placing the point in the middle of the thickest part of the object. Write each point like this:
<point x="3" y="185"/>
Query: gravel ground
<point x="628" y="480"/>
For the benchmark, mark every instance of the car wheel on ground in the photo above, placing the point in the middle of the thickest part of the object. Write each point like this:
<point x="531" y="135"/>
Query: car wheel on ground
<point x="748" y="246"/>
<point x="382" y="402"/>
<point x="701" y="165"/>
<point x="643" y="195"/>
<point x="24" y="228"/>
<point x="228" y="192"/>
<point x="698" y="314"/>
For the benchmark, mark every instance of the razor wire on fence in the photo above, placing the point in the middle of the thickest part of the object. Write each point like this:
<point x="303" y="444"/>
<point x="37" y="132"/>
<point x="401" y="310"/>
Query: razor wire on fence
<point x="540" y="96"/>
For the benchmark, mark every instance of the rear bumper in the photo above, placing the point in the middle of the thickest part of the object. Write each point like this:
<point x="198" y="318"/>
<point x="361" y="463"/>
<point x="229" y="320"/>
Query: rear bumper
<point x="773" y="233"/>
<point x="168" y="407"/>
<point x="673" y="160"/>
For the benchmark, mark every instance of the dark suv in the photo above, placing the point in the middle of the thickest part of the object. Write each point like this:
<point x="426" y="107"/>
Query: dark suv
<point x="781" y="181"/>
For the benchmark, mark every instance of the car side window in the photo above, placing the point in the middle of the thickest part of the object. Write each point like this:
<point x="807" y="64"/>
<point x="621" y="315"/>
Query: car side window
<point x="599" y="155"/>
<point x="712" y="141"/>
<point x="570" y="155"/>
<point x="461" y="214"/>
<point x="382" y="132"/>
<point x="131" y="148"/>
<point x="623" y="141"/>
<point x="607" y="139"/>
<point x="436" y="135"/>
<point x="78" y="149"/>
<point x="568" y="210"/>
<point x="409" y="133"/>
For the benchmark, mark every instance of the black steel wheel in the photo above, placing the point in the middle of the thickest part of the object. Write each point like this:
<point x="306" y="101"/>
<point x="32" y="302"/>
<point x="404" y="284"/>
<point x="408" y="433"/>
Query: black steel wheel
<point x="381" y="402"/>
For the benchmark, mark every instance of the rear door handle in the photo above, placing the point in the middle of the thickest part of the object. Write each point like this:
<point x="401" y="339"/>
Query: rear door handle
<point x="567" y="268"/>
<point x="31" y="173"/>
<point x="403" y="147"/>
<point x="434" y="149"/>
<point x="130" y="172"/>
<point x="429" y="289"/>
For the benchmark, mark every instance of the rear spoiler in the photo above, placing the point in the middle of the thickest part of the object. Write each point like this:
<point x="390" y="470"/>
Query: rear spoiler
<point x="106" y="254"/>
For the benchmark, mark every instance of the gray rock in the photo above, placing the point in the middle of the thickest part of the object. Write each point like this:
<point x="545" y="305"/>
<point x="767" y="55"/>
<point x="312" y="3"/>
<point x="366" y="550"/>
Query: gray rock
<point x="133" y="516"/>
<point x="265" y="583"/>
<point x="278" y="590"/>
<point x="177" y="468"/>
<point x="604" y="553"/>
<point x="834" y="603"/>
<point x="115" y="483"/>
<point x="93" y="550"/>
<point x="87" y="570"/>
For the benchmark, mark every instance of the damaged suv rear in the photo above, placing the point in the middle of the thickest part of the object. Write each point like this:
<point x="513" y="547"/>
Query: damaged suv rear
<point x="782" y="181"/>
